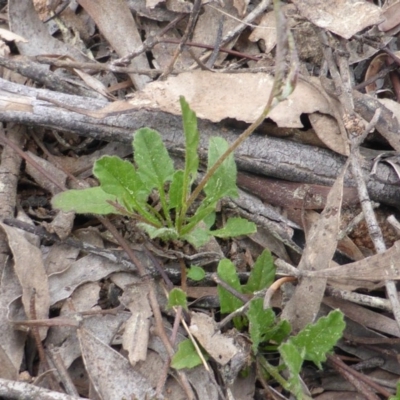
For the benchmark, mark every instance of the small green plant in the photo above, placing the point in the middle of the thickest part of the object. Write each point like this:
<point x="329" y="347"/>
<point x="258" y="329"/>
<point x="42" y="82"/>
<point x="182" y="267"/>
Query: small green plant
<point x="125" y="188"/>
<point x="268" y="333"/>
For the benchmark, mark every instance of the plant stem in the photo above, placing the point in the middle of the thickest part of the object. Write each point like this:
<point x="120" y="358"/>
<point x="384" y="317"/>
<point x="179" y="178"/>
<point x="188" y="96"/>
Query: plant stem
<point x="273" y="371"/>
<point x="234" y="146"/>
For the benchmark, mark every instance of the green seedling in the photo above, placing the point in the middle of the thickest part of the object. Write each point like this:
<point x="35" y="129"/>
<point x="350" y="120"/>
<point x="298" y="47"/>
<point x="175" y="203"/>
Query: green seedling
<point x="267" y="332"/>
<point x="125" y="188"/>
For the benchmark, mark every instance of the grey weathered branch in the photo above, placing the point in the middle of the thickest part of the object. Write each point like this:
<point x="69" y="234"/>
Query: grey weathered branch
<point x="260" y="154"/>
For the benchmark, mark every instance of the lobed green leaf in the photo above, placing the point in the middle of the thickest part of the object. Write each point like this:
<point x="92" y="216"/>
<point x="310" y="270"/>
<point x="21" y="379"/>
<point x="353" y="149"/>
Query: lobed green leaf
<point x="119" y="178"/>
<point x="262" y="274"/>
<point x="223" y="182"/>
<point x="195" y="273"/>
<point x="87" y="201"/>
<point x="235" y="227"/>
<point x="186" y="356"/>
<point x="155" y="166"/>
<point x="319" y="338"/>
<point x="227" y="272"/>
<point x="177" y="297"/>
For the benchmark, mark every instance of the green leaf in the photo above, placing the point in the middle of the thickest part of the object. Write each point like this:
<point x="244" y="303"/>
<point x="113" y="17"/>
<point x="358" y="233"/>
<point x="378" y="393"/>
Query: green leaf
<point x="118" y="177"/>
<point x="191" y="142"/>
<point x="163" y="233"/>
<point x="155" y="166"/>
<point x="186" y="356"/>
<point x="87" y="201"/>
<point x="235" y="227"/>
<point x="262" y="274"/>
<point x="279" y="332"/>
<point x="260" y="322"/>
<point x="397" y="396"/>
<point x="293" y="359"/>
<point x="209" y="220"/>
<point x="177" y="297"/>
<point x="227" y="272"/>
<point x="197" y="237"/>
<point x="200" y="215"/>
<point x="318" y="339"/>
<point x="195" y="273"/>
<point x="176" y="190"/>
<point x="223" y="182"/>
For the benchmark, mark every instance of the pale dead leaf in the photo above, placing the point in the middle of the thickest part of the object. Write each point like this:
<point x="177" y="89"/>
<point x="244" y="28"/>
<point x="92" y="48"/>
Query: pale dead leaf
<point x="136" y="335"/>
<point x="320" y="247"/>
<point x="104" y="327"/>
<point x="40" y="40"/>
<point x="220" y="347"/>
<point x="29" y="267"/>
<point x="208" y="24"/>
<point x="343" y="17"/>
<point x="110" y="373"/>
<point x="10" y="36"/>
<point x="241" y="6"/>
<point x="391" y="17"/>
<point x="12" y="341"/>
<point x="93" y="83"/>
<point x="383" y="266"/>
<point x="90" y="268"/>
<point x="115" y="21"/>
<point x="216" y="96"/>
<point x="328" y="131"/>
<point x="267" y="27"/>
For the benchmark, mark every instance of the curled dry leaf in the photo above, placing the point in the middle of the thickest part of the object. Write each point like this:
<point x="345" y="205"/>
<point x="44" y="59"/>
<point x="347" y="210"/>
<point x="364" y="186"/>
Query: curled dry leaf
<point x="217" y="345"/>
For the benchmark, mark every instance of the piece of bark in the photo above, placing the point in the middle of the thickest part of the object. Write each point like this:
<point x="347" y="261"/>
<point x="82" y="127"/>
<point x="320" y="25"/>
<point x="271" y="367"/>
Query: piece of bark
<point x="260" y="154"/>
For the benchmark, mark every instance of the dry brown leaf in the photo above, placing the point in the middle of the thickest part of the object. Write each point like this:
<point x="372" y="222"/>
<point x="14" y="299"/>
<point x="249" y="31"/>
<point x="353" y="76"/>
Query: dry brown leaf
<point x="320" y="247"/>
<point x="391" y="17"/>
<point x="383" y="266"/>
<point x="112" y="376"/>
<point x="10" y="36"/>
<point x="12" y="341"/>
<point x="267" y="27"/>
<point x="328" y="131"/>
<point x="87" y="269"/>
<point x="216" y="96"/>
<point x="29" y="267"/>
<point x="40" y="40"/>
<point x="136" y="334"/>
<point x="116" y="23"/>
<point x="220" y="347"/>
<point x="207" y="26"/>
<point x="343" y="17"/>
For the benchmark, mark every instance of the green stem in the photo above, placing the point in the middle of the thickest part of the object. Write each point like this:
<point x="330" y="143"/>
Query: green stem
<point x="273" y="371"/>
<point x="234" y="146"/>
